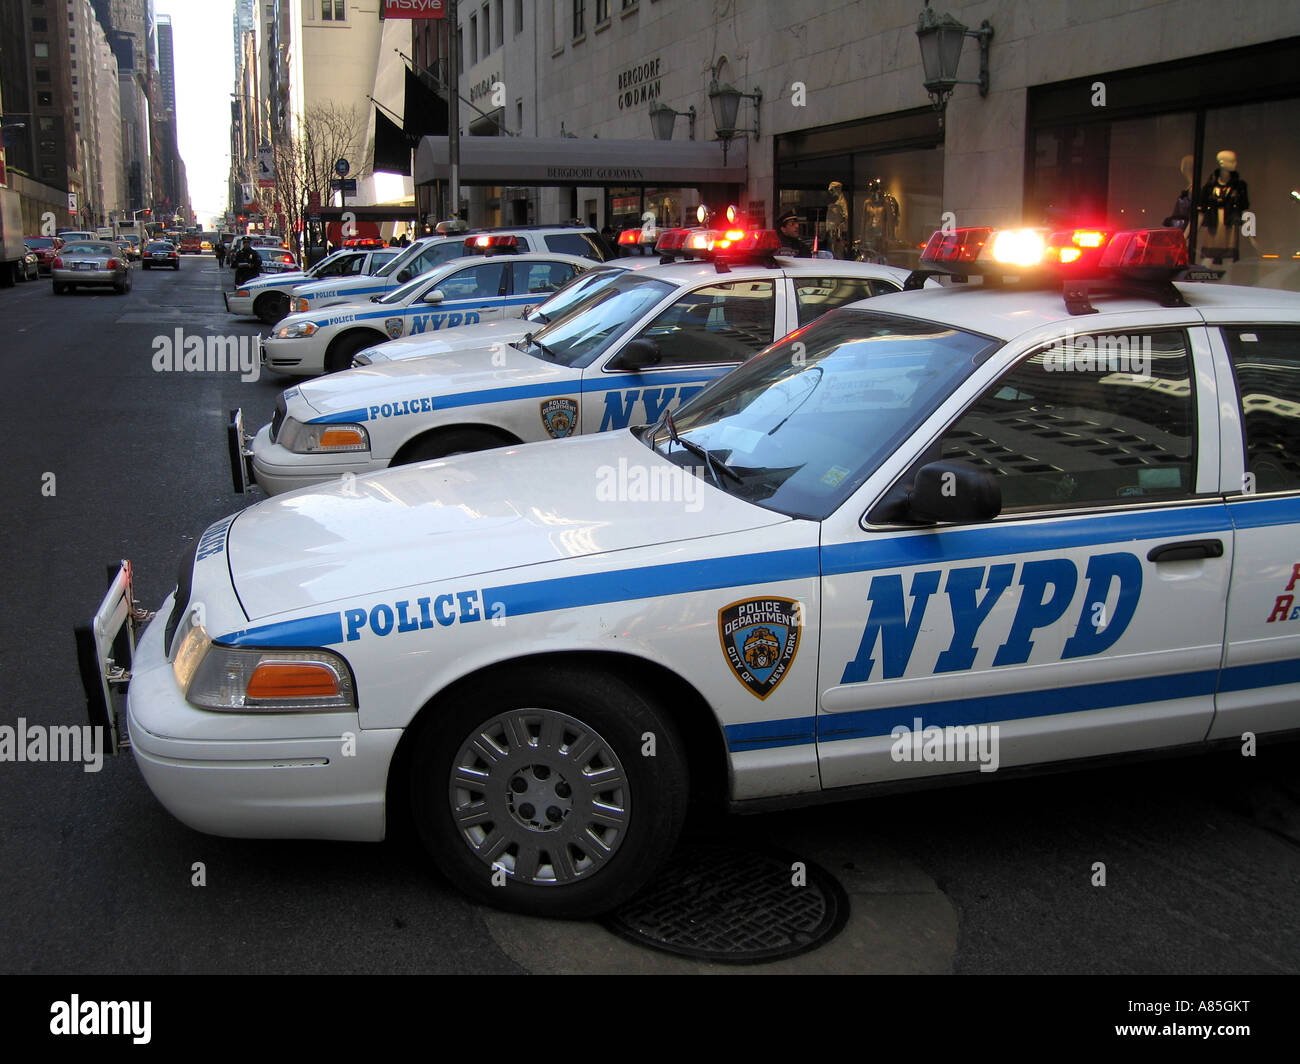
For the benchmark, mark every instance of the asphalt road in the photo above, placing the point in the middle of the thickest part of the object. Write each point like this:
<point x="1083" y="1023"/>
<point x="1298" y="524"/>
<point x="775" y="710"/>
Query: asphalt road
<point x="1202" y="856"/>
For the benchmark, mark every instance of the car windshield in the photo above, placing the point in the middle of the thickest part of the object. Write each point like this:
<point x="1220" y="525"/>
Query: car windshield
<point x="404" y="293"/>
<point x="804" y="423"/>
<point x="576" y="291"/>
<point x="582" y="335"/>
<point x="402" y="259"/>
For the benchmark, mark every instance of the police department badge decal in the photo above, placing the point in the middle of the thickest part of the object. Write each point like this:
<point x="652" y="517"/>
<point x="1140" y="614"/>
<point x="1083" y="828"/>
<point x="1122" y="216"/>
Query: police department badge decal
<point x="393" y="326"/>
<point x="760" y="637"/>
<point x="560" y="417"/>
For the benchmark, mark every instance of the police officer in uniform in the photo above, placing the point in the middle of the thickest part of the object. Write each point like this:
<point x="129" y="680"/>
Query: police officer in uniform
<point x="791" y="243"/>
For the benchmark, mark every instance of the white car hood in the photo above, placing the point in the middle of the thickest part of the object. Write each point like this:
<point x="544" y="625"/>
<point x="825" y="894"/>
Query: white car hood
<point x="287" y="277"/>
<point x="342" y="395"/>
<point x="459" y="338"/>
<point x="460" y="517"/>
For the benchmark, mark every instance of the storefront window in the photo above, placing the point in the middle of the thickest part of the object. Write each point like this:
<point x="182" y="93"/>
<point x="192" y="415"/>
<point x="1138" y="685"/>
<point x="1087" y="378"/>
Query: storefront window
<point x="1258" y="141"/>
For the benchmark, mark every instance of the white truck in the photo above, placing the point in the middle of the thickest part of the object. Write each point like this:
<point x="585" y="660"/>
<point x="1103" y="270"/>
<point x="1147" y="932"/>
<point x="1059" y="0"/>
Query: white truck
<point x="12" y="247"/>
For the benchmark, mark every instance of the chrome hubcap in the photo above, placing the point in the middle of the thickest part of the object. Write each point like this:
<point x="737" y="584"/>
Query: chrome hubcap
<point x="539" y="795"/>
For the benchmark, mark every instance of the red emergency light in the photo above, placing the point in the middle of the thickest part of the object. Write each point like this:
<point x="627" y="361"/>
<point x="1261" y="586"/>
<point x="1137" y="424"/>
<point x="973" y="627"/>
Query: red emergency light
<point x="486" y="243"/>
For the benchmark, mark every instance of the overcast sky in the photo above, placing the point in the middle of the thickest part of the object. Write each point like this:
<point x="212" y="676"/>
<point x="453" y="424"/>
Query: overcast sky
<point x="205" y="75"/>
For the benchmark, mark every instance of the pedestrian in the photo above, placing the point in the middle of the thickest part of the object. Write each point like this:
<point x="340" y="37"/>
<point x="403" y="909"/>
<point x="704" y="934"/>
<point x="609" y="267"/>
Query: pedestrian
<point x="219" y="251"/>
<point x="247" y="262"/>
<point x="788" y="228"/>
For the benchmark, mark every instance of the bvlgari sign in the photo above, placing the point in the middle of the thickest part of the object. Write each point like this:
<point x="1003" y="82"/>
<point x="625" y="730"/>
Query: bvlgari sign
<point x="639" y="84"/>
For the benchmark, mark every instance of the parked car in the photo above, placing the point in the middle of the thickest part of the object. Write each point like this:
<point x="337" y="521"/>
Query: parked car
<point x="46" y="248"/>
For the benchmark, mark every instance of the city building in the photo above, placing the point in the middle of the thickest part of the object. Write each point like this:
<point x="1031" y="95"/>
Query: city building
<point x="1122" y="113"/>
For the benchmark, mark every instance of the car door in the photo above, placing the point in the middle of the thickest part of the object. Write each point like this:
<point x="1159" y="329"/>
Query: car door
<point x="704" y="333"/>
<point x="1260" y="687"/>
<point x="1087" y="619"/>
<point x="465" y="297"/>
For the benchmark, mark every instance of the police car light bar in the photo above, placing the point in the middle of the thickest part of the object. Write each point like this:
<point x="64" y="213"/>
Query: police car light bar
<point x="1146" y="261"/>
<point x="486" y="244"/>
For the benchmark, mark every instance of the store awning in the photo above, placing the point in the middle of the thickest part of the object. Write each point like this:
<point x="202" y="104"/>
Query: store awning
<point x="585" y="161"/>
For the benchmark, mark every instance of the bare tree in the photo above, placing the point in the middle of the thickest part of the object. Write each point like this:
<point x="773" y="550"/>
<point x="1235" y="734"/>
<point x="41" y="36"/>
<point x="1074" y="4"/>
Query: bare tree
<point x="305" y="157"/>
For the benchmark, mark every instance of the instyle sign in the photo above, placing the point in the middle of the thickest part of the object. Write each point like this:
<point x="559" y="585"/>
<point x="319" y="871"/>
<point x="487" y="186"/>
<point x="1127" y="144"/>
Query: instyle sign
<point x="414" y="9"/>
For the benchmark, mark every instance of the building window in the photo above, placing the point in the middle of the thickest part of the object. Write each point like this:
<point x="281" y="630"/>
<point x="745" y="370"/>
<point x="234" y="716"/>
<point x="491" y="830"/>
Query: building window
<point x="333" y="10"/>
<point x="39" y="26"/>
<point x="602" y="11"/>
<point x="460" y="48"/>
<point x="473" y="39"/>
<point x="487" y="31"/>
<point x="47" y="147"/>
<point x="43" y="74"/>
<point x="46" y="125"/>
<point x="519" y="16"/>
<point x="41" y="50"/>
<point x="44" y="99"/>
<point x="629" y="4"/>
<point x="47" y="172"/>
<point x="578" y="13"/>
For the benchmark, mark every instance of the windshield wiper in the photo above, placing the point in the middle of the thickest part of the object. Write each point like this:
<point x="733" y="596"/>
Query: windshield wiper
<point x="528" y="339"/>
<point x="713" y="464"/>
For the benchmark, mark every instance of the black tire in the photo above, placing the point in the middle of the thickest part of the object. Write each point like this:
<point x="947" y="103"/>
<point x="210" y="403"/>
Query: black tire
<point x="121" y="288"/>
<point x="270" y="307"/>
<point x="574" y="723"/>
<point x="444" y="444"/>
<point x="339" y="355"/>
<point x="144" y="265"/>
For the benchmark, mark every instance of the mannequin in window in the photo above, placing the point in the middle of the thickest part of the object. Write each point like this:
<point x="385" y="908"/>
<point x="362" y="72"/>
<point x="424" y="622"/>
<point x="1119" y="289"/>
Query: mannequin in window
<point x="837" y="220"/>
<point x="879" y="220"/>
<point x="1222" y="202"/>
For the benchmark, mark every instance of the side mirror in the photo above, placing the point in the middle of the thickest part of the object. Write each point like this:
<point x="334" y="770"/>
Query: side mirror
<point x="636" y="354"/>
<point x="435" y="296"/>
<point x="403" y="276"/>
<point x="945" y="491"/>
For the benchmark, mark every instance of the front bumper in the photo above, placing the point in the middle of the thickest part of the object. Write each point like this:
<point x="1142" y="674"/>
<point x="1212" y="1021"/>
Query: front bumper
<point x="284" y="775"/>
<point x="278" y="470"/>
<point x="299" y="357"/>
<point x="240" y="305"/>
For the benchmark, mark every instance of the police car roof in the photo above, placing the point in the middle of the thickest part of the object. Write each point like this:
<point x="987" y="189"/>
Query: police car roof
<point x="1007" y="312"/>
<point x="691" y="271"/>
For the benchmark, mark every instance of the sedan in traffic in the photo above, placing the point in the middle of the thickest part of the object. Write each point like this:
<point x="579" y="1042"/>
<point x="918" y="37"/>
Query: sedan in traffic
<point x="162" y="254"/>
<point x="86" y="263"/>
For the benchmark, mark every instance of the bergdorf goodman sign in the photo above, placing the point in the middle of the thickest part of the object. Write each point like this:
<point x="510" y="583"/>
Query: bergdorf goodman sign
<point x="639" y="84"/>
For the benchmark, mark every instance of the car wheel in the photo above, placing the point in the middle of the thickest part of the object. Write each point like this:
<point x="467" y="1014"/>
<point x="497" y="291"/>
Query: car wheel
<point x="446" y="443"/>
<point x="273" y="306"/>
<point x="534" y="791"/>
<point x="339" y="355"/>
<point x="121" y="287"/>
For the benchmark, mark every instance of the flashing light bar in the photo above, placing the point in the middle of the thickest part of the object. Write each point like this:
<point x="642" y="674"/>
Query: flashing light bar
<point x="1149" y="253"/>
<point x="636" y="237"/>
<point x="488" y="242"/>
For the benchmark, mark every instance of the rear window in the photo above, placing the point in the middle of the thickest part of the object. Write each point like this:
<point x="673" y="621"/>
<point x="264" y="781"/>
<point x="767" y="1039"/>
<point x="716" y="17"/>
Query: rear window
<point x="574" y="244"/>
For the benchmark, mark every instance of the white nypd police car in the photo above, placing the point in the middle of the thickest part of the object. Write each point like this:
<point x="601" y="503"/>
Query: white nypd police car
<point x="507" y="330"/>
<point x="643" y="342"/>
<point x="268" y="298"/>
<point x="926" y="528"/>
<point x="428" y="253"/>
<point x="464" y="291"/>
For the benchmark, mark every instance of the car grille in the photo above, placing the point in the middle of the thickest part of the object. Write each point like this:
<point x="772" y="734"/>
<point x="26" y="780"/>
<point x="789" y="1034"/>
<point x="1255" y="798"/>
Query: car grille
<point x="277" y="419"/>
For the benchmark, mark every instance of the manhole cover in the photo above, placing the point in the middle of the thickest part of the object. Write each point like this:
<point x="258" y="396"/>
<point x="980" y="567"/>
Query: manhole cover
<point x="734" y="906"/>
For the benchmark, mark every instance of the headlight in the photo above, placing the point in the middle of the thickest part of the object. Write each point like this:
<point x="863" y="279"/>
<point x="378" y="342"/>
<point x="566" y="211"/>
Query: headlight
<point x="297" y="329"/>
<point x="302" y="306"/>
<point x="301" y="438"/>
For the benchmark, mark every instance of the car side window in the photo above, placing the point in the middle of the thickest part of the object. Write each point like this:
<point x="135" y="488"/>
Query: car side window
<point x="573" y="244"/>
<point x="1266" y="362"/>
<point x="717" y="323"/>
<point x="474" y="282"/>
<point x="1094" y="421"/>
<point x="352" y="267"/>
<point x="540" y="277"/>
<point x="814" y="296"/>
